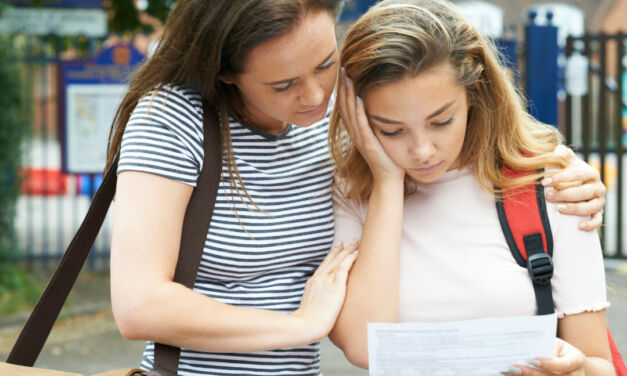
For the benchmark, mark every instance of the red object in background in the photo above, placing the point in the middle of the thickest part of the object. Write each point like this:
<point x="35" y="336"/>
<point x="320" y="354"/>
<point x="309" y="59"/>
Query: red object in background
<point x="619" y="364"/>
<point x="46" y="182"/>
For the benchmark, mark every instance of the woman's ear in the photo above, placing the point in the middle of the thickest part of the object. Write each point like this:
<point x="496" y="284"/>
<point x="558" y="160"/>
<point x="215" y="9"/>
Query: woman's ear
<point x="226" y="79"/>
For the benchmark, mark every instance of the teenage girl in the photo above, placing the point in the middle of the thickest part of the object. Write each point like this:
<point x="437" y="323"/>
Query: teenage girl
<point x="433" y="117"/>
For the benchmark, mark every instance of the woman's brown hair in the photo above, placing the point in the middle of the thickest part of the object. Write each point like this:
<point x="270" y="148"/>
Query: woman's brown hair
<point x="205" y="39"/>
<point x="397" y="39"/>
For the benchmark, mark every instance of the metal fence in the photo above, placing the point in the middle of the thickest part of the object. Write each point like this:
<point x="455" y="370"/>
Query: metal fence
<point x="52" y="204"/>
<point x="596" y="120"/>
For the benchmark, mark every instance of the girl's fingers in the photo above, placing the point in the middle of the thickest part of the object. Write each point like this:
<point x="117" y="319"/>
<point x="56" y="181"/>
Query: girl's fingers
<point x="567" y="361"/>
<point x="350" y="107"/>
<point x="519" y="370"/>
<point x="341" y="97"/>
<point x="529" y="371"/>
<point x="344" y="99"/>
<point x="562" y="365"/>
<point x="362" y="121"/>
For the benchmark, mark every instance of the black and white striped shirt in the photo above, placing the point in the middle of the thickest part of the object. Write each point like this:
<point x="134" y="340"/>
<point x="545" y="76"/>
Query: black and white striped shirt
<point x="289" y="176"/>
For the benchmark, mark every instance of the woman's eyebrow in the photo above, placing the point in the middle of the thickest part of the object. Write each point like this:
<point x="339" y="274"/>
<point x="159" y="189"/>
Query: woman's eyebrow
<point x="287" y="80"/>
<point x="326" y="58"/>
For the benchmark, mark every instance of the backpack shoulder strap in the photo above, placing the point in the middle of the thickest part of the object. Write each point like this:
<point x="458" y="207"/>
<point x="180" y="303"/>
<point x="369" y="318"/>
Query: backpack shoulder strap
<point x="525" y="223"/>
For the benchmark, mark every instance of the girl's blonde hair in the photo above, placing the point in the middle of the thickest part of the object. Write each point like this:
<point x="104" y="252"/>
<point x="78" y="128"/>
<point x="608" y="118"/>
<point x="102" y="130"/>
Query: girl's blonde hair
<point x="397" y="39"/>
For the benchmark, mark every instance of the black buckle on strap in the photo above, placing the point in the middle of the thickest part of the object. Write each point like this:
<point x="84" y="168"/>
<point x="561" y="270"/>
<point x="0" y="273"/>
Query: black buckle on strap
<point x="540" y="267"/>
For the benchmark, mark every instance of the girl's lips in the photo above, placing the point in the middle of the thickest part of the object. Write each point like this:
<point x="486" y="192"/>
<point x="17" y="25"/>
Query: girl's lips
<point x="427" y="169"/>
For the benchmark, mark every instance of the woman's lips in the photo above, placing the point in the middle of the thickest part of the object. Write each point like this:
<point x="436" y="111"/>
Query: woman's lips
<point x="313" y="111"/>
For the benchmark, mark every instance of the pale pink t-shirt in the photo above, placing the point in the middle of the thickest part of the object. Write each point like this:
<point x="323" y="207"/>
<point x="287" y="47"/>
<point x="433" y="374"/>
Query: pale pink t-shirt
<point x="455" y="262"/>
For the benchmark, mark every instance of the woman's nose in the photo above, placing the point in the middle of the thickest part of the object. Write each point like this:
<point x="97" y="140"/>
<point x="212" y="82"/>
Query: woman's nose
<point x="312" y="93"/>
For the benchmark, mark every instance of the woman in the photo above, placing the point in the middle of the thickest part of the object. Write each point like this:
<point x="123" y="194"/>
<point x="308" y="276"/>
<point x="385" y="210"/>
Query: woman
<point x="438" y="119"/>
<point x="248" y="60"/>
<point x="269" y="67"/>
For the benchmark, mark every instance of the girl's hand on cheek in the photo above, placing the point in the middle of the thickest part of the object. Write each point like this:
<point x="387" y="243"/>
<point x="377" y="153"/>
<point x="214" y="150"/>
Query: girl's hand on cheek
<point x="578" y="190"/>
<point x="353" y="115"/>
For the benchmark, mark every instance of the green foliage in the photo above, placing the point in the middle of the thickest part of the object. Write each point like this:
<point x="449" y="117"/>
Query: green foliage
<point x="14" y="126"/>
<point x="19" y="291"/>
<point x="126" y="16"/>
<point x="160" y="8"/>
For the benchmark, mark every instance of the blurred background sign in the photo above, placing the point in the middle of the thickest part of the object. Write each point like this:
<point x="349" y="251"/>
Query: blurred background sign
<point x="352" y="9"/>
<point x="55" y="17"/>
<point x="485" y="16"/>
<point x="57" y="3"/>
<point x="90" y="91"/>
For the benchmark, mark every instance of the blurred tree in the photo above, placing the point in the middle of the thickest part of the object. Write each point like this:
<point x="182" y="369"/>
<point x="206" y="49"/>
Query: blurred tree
<point x="14" y="126"/>
<point x="160" y="8"/>
<point x="124" y="15"/>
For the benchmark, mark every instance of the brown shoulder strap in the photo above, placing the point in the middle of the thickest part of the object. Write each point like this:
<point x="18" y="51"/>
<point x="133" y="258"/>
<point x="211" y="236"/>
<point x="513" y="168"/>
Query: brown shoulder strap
<point x="195" y="226"/>
<point x="37" y="328"/>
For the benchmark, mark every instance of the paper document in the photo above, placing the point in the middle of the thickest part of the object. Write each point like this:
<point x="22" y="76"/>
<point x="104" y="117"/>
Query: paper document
<point x="480" y="347"/>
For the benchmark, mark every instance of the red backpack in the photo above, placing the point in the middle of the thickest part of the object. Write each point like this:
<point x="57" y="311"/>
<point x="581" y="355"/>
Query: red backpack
<point x="523" y="217"/>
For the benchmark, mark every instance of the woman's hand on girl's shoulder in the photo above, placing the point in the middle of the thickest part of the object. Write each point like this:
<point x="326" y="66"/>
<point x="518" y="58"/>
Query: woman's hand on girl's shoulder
<point x="355" y="121"/>
<point x="578" y="190"/>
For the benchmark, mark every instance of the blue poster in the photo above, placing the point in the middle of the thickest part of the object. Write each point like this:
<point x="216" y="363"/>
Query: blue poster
<point x="90" y="93"/>
<point x="59" y="3"/>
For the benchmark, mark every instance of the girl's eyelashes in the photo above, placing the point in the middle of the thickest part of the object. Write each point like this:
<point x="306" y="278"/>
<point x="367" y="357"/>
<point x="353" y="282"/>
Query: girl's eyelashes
<point x="389" y="134"/>
<point x="398" y="131"/>
<point x="285" y="87"/>
<point x="443" y="123"/>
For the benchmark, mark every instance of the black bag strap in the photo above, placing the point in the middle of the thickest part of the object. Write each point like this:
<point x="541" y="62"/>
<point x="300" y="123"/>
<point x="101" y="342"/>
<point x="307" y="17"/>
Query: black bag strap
<point x="195" y="227"/>
<point x="34" y="334"/>
<point x="524" y="220"/>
